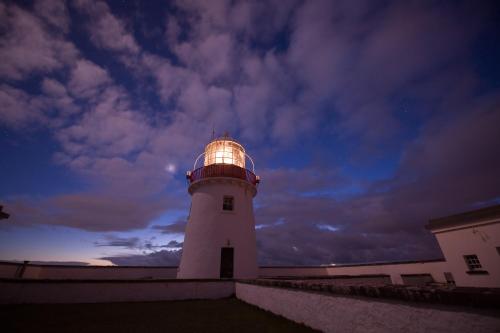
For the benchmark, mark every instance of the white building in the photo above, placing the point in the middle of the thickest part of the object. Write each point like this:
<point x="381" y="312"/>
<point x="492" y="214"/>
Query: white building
<point x="470" y="243"/>
<point x="220" y="234"/>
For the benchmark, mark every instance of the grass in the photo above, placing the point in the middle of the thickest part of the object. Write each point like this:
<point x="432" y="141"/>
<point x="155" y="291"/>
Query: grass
<point x="224" y="315"/>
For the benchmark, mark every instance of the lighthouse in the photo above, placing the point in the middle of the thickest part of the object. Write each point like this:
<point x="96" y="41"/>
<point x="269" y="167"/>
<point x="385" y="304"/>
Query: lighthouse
<point x="220" y="234"/>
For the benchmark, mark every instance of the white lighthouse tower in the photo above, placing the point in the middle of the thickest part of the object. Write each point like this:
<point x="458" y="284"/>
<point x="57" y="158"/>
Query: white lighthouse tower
<point x="220" y="234"/>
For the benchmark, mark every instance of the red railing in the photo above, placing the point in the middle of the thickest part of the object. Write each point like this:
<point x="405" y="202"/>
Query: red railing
<point x="223" y="170"/>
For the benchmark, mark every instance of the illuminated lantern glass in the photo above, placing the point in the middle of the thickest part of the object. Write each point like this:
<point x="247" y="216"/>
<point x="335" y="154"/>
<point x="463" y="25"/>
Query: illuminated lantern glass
<point x="225" y="152"/>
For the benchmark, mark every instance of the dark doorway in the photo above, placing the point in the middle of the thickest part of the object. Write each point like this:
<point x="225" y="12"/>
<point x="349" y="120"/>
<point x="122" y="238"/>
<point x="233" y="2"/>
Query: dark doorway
<point x="226" y="262"/>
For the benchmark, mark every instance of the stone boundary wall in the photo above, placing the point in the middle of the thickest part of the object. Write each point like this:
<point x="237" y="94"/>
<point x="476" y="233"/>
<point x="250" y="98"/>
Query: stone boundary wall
<point x="17" y="291"/>
<point x="335" y="313"/>
<point x="34" y="271"/>
<point x="437" y="294"/>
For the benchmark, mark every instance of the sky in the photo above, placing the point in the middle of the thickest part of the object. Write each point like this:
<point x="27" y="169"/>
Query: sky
<point x="365" y="119"/>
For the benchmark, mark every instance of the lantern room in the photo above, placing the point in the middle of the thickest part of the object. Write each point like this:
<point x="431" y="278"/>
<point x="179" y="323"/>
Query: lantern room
<point x="225" y="151"/>
<point x="223" y="157"/>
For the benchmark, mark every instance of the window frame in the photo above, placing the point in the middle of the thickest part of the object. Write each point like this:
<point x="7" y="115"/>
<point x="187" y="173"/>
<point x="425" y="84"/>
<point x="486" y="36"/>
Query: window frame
<point x="231" y="197"/>
<point x="473" y="263"/>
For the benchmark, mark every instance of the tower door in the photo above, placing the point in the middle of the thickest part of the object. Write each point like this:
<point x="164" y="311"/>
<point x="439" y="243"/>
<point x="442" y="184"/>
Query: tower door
<point x="226" y="262"/>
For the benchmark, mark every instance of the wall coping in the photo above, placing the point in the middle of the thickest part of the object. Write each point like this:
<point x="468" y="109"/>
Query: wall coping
<point x="20" y="263"/>
<point x="52" y="281"/>
<point x="380" y="263"/>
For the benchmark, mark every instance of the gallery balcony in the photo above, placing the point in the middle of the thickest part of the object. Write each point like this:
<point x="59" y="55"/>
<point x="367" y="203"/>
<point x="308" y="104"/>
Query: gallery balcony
<point x="222" y="170"/>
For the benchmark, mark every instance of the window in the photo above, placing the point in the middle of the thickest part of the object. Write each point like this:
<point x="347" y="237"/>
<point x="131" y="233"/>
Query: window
<point x="472" y="262"/>
<point x="228" y="203"/>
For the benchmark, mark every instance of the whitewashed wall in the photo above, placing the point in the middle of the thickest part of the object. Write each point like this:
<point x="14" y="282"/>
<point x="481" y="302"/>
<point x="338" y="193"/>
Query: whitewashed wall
<point x="481" y="239"/>
<point x="43" y="291"/>
<point x="8" y="270"/>
<point x="11" y="270"/>
<point x="210" y="228"/>
<point x="434" y="268"/>
<point x="348" y="314"/>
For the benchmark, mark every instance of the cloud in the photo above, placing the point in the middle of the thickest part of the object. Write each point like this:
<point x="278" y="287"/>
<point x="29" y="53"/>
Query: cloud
<point x="174" y="244"/>
<point x="27" y="47"/>
<point x="261" y="21"/>
<point x="160" y="258"/>
<point x="374" y="53"/>
<point x="446" y="171"/>
<point x="110" y="129"/>
<point x="212" y="56"/>
<point x="87" y="79"/>
<point x="19" y="108"/>
<point x="56" y="97"/>
<point x="177" y="227"/>
<point x="135" y="243"/>
<point x="125" y="242"/>
<point x="87" y="211"/>
<point x="105" y="29"/>
<point x="55" y="12"/>
<point x="315" y="178"/>
<point x="54" y="88"/>
<point x="22" y="110"/>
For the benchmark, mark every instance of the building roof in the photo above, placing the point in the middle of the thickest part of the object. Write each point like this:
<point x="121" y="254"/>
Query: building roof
<point x="465" y="218"/>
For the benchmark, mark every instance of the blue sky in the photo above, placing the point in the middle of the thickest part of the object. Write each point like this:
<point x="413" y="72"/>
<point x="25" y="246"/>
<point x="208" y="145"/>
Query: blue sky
<point x="365" y="119"/>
